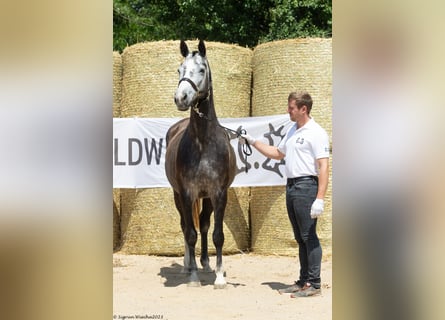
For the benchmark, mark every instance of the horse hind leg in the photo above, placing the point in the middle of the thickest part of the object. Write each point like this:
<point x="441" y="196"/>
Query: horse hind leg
<point x="204" y="223"/>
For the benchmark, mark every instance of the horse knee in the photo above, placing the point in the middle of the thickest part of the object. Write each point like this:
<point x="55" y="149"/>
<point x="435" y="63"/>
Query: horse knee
<point x="218" y="238"/>
<point x="191" y="237"/>
<point x="204" y="227"/>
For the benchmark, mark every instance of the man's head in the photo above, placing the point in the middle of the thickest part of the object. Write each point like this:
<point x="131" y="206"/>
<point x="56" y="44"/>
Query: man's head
<point x="299" y="105"/>
<point x="301" y="98"/>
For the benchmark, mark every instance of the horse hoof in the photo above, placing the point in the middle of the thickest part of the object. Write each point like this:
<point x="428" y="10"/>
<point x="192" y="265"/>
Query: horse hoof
<point x="194" y="284"/>
<point x="219" y="286"/>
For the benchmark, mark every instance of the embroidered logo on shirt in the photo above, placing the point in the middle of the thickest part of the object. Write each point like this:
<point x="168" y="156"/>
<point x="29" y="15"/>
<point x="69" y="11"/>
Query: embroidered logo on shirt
<point x="300" y="140"/>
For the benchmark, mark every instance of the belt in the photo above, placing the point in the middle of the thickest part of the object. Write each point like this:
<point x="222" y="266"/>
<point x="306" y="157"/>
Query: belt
<point x="291" y="181"/>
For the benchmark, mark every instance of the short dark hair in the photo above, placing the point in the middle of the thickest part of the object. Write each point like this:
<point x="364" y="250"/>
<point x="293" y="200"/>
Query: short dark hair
<point x="302" y="98"/>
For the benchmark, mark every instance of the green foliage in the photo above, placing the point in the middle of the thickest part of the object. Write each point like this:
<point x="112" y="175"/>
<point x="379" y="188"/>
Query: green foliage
<point x="299" y="19"/>
<point x="231" y="21"/>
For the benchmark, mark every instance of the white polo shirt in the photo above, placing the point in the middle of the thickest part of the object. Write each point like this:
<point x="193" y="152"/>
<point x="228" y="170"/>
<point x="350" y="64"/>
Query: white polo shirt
<point x="302" y="147"/>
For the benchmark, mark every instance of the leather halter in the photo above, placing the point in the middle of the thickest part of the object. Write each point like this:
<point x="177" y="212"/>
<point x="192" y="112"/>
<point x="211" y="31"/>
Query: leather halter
<point x="200" y="98"/>
<point x="194" y="86"/>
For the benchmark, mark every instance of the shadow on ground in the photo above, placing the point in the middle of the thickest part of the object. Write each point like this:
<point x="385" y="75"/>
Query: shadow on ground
<point x="175" y="277"/>
<point x="275" y="285"/>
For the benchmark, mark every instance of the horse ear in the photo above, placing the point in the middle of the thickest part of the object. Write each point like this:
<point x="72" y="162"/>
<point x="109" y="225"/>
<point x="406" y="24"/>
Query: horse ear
<point x="202" y="48"/>
<point x="184" y="49"/>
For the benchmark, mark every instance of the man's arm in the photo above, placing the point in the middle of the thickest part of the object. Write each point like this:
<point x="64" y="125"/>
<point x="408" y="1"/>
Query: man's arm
<point x="268" y="150"/>
<point x="323" y="177"/>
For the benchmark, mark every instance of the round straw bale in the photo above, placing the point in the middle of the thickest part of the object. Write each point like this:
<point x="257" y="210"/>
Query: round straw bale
<point x="116" y="219"/>
<point x="271" y="229"/>
<point x="280" y="67"/>
<point x="150" y="223"/>
<point x="231" y="67"/>
<point x="150" y="78"/>
<point x="117" y="83"/>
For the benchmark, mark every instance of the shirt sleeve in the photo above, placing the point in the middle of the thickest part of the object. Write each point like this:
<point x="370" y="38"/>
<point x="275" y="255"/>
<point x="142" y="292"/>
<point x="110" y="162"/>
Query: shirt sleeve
<point x="321" y="145"/>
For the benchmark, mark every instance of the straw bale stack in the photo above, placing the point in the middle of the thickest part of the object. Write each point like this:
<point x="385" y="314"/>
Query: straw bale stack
<point x="149" y="220"/>
<point x="117" y="83"/>
<point x="278" y="68"/>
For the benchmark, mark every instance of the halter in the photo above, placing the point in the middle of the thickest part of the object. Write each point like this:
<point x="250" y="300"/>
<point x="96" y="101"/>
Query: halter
<point x="200" y="99"/>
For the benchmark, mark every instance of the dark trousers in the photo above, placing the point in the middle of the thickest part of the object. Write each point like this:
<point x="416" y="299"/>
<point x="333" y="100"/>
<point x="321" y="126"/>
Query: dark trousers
<point x="299" y="198"/>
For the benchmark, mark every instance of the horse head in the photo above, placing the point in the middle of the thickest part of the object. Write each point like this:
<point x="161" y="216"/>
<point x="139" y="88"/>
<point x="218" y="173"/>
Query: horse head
<point x="194" y="77"/>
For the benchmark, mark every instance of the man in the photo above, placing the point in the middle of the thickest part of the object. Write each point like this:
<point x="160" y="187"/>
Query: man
<point x="306" y="149"/>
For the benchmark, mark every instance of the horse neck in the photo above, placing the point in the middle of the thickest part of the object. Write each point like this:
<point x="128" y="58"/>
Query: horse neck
<point x="205" y="125"/>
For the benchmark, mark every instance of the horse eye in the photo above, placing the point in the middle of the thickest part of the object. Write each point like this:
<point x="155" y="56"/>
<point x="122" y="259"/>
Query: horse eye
<point x="202" y="70"/>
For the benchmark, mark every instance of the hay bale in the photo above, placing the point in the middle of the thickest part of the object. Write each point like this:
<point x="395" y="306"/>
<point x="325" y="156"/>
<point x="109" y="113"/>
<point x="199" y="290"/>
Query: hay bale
<point x="150" y="78"/>
<point x="116" y="219"/>
<point x="324" y="224"/>
<point x="280" y="67"/>
<point x="117" y="86"/>
<point x="150" y="222"/>
<point x="231" y="67"/>
<point x="271" y="229"/>
<point x="117" y="83"/>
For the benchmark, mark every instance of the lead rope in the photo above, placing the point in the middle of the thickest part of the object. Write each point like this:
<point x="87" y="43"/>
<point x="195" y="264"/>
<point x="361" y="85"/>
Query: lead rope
<point x="247" y="149"/>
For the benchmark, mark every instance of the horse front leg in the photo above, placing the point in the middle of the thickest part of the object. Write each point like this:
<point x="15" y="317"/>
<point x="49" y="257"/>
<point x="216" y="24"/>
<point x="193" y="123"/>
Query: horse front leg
<point x="204" y="224"/>
<point x="218" y="239"/>
<point x="190" y="238"/>
<point x="180" y="208"/>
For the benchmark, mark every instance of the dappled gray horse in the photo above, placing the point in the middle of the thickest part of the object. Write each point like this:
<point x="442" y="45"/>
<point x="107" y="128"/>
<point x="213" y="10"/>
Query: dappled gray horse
<point x="200" y="163"/>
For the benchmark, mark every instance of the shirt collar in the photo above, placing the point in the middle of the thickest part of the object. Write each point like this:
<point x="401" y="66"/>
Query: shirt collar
<point x="308" y="124"/>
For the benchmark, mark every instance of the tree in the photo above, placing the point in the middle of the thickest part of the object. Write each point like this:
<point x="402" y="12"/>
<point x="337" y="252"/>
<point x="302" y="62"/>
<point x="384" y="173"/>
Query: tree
<point x="300" y="18"/>
<point x="230" y="21"/>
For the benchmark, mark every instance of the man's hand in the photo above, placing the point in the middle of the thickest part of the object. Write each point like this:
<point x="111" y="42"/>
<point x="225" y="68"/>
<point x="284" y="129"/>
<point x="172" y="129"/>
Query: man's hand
<point x="246" y="137"/>
<point x="317" y="208"/>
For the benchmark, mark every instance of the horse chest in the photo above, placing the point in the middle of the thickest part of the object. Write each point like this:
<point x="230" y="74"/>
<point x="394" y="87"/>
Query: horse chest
<point x="201" y="161"/>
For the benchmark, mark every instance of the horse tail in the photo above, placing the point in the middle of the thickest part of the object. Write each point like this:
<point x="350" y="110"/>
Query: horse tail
<point x="195" y="212"/>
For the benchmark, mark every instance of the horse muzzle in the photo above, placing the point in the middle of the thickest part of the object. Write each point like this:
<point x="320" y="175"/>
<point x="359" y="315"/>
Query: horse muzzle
<point x="184" y="100"/>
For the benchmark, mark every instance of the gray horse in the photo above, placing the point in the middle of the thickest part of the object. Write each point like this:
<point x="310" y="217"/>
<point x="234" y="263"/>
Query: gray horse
<point x="200" y="163"/>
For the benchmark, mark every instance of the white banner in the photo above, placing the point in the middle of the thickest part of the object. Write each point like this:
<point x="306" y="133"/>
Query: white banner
<point x="139" y="151"/>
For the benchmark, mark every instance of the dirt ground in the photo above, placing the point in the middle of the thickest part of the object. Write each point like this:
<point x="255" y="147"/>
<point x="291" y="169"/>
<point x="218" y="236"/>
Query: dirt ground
<point x="149" y="287"/>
